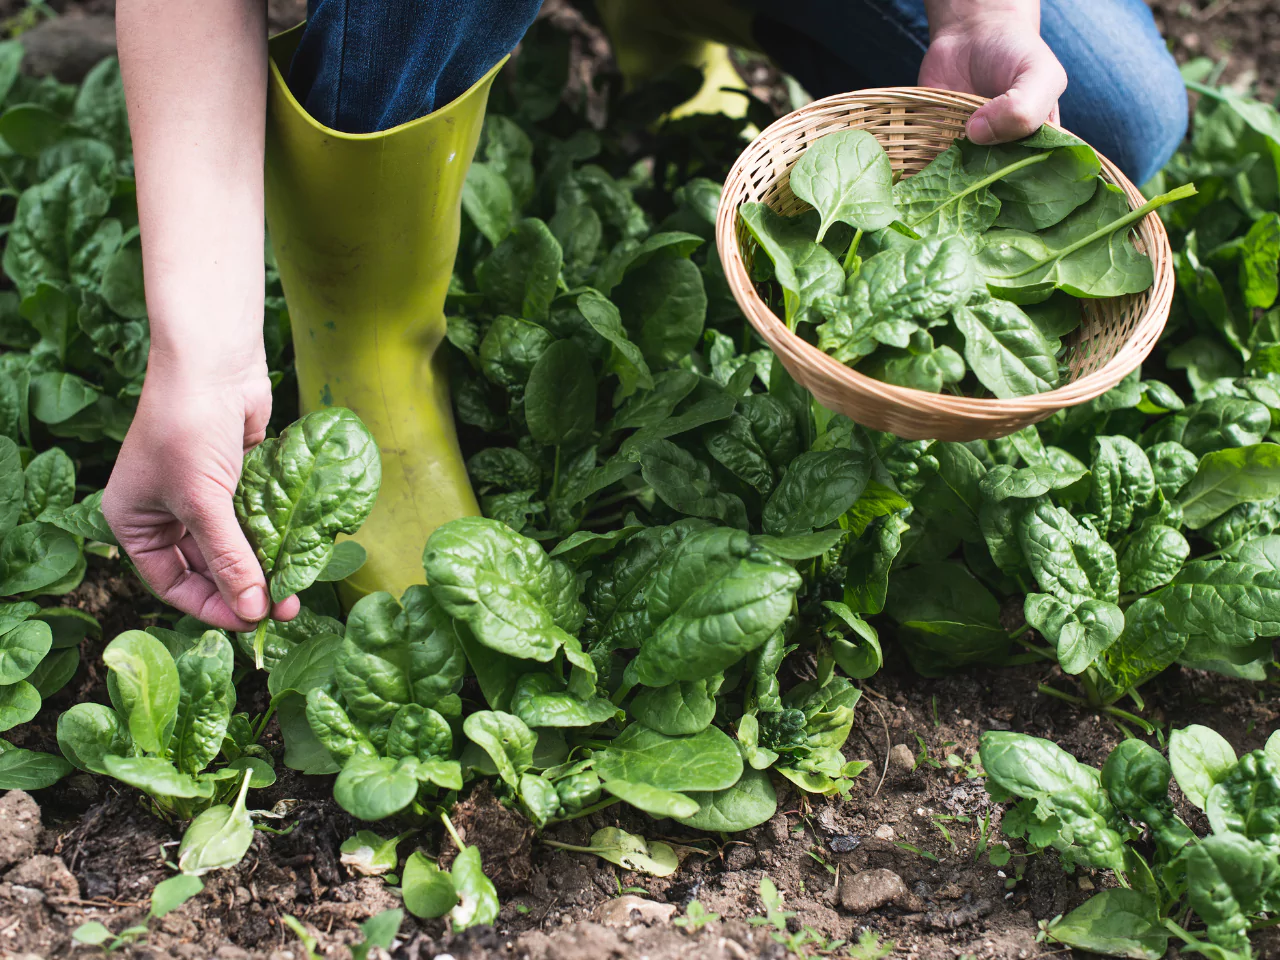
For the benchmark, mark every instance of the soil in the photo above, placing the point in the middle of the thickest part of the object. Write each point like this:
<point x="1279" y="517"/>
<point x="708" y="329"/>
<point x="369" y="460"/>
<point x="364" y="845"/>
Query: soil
<point x="902" y="856"/>
<point x="1244" y="35"/>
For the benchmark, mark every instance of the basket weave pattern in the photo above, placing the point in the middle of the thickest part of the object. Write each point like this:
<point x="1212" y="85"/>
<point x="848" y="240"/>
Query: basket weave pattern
<point x="914" y="125"/>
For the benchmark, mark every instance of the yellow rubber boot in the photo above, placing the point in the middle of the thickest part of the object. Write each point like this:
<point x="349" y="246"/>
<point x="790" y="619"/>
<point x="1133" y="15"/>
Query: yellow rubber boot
<point x="365" y="229"/>
<point x="652" y="36"/>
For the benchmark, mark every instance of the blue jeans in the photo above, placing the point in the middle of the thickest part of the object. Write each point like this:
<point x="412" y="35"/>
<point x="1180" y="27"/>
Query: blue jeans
<point x="366" y="65"/>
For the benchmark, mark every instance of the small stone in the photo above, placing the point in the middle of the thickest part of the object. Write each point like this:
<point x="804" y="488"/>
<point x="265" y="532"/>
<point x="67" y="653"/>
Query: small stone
<point x="1084" y="883"/>
<point x="45" y="873"/>
<point x="901" y="758"/>
<point x="19" y="827"/>
<point x="621" y="911"/>
<point x="951" y="891"/>
<point x="870" y="890"/>
<point x="883" y="832"/>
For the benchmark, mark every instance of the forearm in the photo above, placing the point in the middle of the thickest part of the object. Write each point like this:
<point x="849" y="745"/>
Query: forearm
<point x="195" y="83"/>
<point x="947" y="15"/>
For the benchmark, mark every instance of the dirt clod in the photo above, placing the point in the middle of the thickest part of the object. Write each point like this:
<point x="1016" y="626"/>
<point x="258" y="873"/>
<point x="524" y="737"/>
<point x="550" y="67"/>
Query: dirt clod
<point x="505" y="839"/>
<point x="623" y="911"/>
<point x="45" y="873"/>
<point x="901" y="758"/>
<point x="19" y="827"/>
<point x="870" y="890"/>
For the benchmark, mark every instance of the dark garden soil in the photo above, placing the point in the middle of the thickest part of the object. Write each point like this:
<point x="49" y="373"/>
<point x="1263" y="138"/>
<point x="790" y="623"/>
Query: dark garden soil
<point x="901" y="855"/>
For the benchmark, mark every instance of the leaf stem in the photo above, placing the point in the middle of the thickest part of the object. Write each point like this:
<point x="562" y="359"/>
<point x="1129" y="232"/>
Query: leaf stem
<point x="984" y="182"/>
<point x="448" y="825"/>
<point x="266" y="718"/>
<point x="572" y="847"/>
<point x="1131" y="717"/>
<point x="1053" y="692"/>
<point x="259" y="641"/>
<point x="1178" y="193"/>
<point x="555" y="475"/>
<point x="852" y="252"/>
<point x="1015" y="634"/>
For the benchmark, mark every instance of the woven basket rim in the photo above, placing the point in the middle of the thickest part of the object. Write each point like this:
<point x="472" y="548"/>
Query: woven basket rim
<point x="977" y="410"/>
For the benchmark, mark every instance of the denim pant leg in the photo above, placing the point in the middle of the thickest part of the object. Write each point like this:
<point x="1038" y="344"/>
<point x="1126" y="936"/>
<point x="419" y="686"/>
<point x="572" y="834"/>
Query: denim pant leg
<point x="1124" y="96"/>
<point x="368" y="65"/>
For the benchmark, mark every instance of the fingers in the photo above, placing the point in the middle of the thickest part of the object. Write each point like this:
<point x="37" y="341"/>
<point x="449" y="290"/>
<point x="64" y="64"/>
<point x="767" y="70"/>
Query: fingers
<point x="229" y="562"/>
<point x="286" y="609"/>
<point x="166" y="569"/>
<point x="1020" y="111"/>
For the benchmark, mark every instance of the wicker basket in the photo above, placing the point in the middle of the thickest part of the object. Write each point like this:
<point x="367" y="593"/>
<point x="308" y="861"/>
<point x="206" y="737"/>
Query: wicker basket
<point x="915" y="124"/>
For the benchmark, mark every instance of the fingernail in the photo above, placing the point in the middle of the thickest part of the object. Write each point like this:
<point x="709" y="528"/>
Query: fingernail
<point x="980" y="130"/>
<point x="252" y="604"/>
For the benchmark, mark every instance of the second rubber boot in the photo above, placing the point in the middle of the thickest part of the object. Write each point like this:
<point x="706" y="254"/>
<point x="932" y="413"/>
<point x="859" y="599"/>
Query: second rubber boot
<point x="652" y="36"/>
<point x="365" y="229"/>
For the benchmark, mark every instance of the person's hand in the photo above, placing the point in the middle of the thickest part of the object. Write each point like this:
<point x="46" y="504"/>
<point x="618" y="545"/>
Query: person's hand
<point x="993" y="48"/>
<point x="169" y="497"/>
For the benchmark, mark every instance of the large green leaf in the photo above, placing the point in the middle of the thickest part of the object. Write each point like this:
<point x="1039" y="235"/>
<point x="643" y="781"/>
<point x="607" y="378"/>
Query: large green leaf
<point x="207" y="698"/>
<point x="705" y="761"/>
<point x="717" y="599"/>
<point x="148" y="686"/>
<point x="1225" y="478"/>
<point x="514" y="598"/>
<point x="847" y="177"/>
<point x="298" y="491"/>
<point x="1088" y="254"/>
<point x="1005" y="349"/>
<point x="804" y="268"/>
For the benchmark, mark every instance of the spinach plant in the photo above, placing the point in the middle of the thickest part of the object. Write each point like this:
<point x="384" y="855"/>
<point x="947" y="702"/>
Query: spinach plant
<point x="297" y="492"/>
<point x="171" y="719"/>
<point x="1096" y="819"/>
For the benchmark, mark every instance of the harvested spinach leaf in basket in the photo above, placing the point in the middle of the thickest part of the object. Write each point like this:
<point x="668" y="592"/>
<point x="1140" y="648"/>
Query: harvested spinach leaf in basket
<point x="931" y="287"/>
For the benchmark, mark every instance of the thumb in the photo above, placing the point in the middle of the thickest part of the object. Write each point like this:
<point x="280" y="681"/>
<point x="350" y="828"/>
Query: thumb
<point x="1020" y="111"/>
<point x="229" y="559"/>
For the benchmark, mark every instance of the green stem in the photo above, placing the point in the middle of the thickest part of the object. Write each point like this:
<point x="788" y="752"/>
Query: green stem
<point x="1015" y="634"/>
<point x="1204" y="90"/>
<point x="1043" y="652"/>
<point x="1178" y="193"/>
<point x="587" y="811"/>
<point x="984" y="182"/>
<point x="555" y="476"/>
<point x="260" y="641"/>
<point x="1052" y="692"/>
<point x="266" y="718"/>
<point x="448" y="825"/>
<point x="1133" y="718"/>
<point x="852" y="252"/>
<point x="572" y="847"/>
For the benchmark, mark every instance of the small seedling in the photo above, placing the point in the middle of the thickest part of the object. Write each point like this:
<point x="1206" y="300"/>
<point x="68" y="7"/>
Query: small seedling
<point x="309" y="943"/>
<point x="870" y="947"/>
<point x="696" y="916"/>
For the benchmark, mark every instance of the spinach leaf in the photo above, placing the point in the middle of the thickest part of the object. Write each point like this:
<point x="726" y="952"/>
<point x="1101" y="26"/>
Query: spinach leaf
<point x="1200" y="759"/>
<point x="847" y="177"/>
<point x="1040" y="770"/>
<point x="804" y="268"/>
<point x="944" y="199"/>
<point x="1123" y="923"/>
<point x="520" y="275"/>
<point x="1005" y="349"/>
<point x="719" y="597"/>
<point x="1088" y="254"/>
<point x="514" y="599"/>
<point x="560" y="397"/>
<point x="815" y="490"/>
<point x="894" y="292"/>
<point x="705" y="761"/>
<point x="298" y="491"/>
<point x="1040" y="195"/>
<point x="1225" y="478"/>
